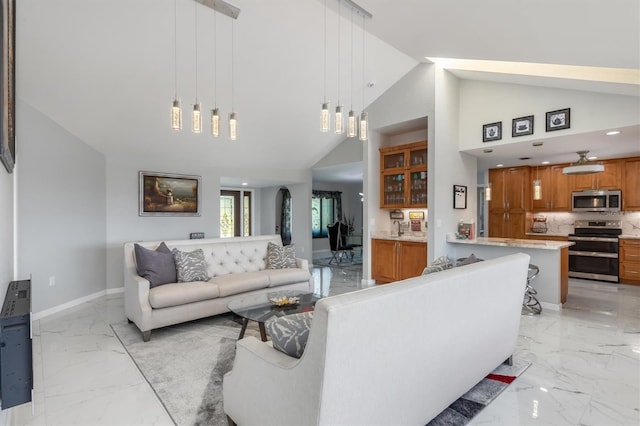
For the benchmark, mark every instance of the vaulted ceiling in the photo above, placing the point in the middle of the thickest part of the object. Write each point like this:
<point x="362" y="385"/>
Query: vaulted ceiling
<point x="105" y="70"/>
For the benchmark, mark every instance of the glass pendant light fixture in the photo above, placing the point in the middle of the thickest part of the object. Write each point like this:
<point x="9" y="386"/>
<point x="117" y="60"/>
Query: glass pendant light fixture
<point x="487" y="192"/>
<point x="233" y="119"/>
<point x="176" y="110"/>
<point x="352" y="131"/>
<point x="215" y="114"/>
<point x="196" y="117"/>
<point x="339" y="119"/>
<point x="537" y="187"/>
<point x="364" y="133"/>
<point x="324" y="113"/>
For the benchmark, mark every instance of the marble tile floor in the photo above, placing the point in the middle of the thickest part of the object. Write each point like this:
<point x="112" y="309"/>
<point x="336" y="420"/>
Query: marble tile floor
<point x="585" y="364"/>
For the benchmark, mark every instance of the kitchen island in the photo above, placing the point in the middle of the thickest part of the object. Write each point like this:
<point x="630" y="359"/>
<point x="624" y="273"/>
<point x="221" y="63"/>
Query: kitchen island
<point x="552" y="257"/>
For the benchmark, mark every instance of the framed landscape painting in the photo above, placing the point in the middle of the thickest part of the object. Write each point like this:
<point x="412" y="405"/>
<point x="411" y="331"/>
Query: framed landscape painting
<point x="7" y="92"/>
<point x="163" y="194"/>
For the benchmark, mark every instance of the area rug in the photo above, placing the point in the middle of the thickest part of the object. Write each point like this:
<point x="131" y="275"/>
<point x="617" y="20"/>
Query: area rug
<point x="185" y="363"/>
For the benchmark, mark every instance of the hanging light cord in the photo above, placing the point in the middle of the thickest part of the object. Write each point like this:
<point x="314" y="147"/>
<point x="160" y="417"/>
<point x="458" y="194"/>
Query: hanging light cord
<point x="325" y="52"/>
<point x="232" y="67"/>
<point x="215" y="61"/>
<point x="175" y="49"/>
<point x="195" y="14"/>
<point x="351" y="54"/>
<point x="363" y="34"/>
<point x="339" y="19"/>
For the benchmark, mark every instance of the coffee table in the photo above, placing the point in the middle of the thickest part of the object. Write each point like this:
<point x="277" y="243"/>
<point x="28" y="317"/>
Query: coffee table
<point x="258" y="308"/>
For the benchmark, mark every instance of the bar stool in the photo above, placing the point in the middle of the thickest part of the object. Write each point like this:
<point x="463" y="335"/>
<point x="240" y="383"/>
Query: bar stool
<point x="530" y="304"/>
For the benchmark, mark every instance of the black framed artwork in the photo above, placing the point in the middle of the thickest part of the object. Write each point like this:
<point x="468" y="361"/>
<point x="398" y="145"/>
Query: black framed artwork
<point x="522" y="126"/>
<point x="558" y="119"/>
<point x="459" y="197"/>
<point x="492" y="132"/>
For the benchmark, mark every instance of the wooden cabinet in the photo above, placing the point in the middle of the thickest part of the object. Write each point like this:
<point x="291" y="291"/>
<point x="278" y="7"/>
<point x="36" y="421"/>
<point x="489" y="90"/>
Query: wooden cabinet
<point x="556" y="188"/>
<point x="547" y="237"/>
<point x="629" y="261"/>
<point x="510" y="200"/>
<point x="631" y="184"/>
<point x="403" y="176"/>
<point x="393" y="260"/>
<point x="611" y="178"/>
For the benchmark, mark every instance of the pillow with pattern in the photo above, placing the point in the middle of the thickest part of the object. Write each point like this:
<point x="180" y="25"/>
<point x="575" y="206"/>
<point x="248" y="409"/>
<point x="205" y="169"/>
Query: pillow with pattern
<point x="279" y="257"/>
<point x="289" y="334"/>
<point x="190" y="266"/>
<point x="440" y="264"/>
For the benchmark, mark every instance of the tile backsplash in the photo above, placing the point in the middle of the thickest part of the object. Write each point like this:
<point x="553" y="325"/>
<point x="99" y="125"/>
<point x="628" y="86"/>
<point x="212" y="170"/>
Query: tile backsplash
<point x="562" y="223"/>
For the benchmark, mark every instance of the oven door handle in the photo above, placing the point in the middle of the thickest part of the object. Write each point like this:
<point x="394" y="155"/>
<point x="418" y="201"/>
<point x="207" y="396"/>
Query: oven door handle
<point x="603" y="239"/>
<point x="593" y="254"/>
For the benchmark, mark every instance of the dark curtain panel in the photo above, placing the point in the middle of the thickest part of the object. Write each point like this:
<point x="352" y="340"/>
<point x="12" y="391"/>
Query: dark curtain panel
<point x="285" y="217"/>
<point x="336" y="196"/>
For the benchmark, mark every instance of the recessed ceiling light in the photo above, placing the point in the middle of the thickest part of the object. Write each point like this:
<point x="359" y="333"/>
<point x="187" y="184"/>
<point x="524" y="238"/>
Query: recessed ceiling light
<point x="546" y="162"/>
<point x="499" y="165"/>
<point x="537" y="143"/>
<point x="244" y="184"/>
<point x="487" y="151"/>
<point x="613" y="132"/>
<point x="525" y="158"/>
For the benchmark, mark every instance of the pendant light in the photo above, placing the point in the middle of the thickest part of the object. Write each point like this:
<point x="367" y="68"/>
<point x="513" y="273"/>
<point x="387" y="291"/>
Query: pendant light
<point x="325" y="120"/>
<point x="364" y="134"/>
<point x="215" y="114"/>
<point x="233" y="120"/>
<point x="176" y="110"/>
<point x="351" y="121"/>
<point x="339" y="119"/>
<point x="537" y="187"/>
<point x="583" y="166"/>
<point x="487" y="192"/>
<point x="196" y="117"/>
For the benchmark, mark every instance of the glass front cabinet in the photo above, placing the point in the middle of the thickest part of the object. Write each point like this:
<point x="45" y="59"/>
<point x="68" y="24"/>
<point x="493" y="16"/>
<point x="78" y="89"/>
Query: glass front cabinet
<point x="403" y="176"/>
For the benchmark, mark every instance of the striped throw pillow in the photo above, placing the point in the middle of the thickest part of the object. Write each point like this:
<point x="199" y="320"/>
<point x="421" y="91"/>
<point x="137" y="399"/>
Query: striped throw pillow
<point x="190" y="266"/>
<point x="279" y="257"/>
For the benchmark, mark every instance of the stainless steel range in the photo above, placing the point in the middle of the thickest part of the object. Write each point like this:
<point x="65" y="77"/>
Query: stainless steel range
<point x="595" y="253"/>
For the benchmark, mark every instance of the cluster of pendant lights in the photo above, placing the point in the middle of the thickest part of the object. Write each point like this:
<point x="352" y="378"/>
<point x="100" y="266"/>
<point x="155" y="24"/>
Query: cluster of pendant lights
<point x="356" y="127"/>
<point x="196" y="114"/>
<point x="537" y="189"/>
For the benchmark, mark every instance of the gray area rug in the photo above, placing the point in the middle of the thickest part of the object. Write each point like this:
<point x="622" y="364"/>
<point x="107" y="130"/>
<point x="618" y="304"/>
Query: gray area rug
<point x="185" y="364"/>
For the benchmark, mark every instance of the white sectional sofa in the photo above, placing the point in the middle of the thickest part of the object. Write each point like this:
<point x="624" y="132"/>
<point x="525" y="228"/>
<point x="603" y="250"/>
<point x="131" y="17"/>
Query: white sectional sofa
<point x="396" y="354"/>
<point x="235" y="267"/>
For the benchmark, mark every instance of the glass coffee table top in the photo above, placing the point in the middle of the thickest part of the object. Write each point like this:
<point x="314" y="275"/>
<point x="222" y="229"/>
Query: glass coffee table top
<point x="258" y="308"/>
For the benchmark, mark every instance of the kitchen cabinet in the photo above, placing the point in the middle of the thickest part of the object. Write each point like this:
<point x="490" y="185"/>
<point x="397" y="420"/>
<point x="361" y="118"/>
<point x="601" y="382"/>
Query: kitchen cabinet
<point x="510" y="200"/>
<point x="547" y="237"/>
<point x="631" y="184"/>
<point x="403" y="176"/>
<point x="556" y="189"/>
<point x="629" y="261"/>
<point x="394" y="260"/>
<point x="611" y="178"/>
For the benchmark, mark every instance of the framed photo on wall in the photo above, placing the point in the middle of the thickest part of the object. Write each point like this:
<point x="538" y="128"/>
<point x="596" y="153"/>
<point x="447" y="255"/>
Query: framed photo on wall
<point x="163" y="194"/>
<point x="7" y="91"/>
<point x="559" y="119"/>
<point x="459" y="197"/>
<point x="522" y="126"/>
<point x="492" y="132"/>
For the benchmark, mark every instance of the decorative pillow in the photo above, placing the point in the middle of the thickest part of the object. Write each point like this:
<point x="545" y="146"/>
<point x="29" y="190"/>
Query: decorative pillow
<point x="279" y="257"/>
<point x="468" y="260"/>
<point x="156" y="266"/>
<point x="440" y="264"/>
<point x="190" y="266"/>
<point x="289" y="334"/>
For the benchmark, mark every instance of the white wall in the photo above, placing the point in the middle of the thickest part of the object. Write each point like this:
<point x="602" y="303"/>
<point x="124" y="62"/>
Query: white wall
<point x="61" y="208"/>
<point x="6" y="231"/>
<point x="485" y="102"/>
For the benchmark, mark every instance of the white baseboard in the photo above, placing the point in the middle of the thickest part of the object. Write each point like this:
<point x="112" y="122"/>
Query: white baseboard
<point x="76" y="302"/>
<point x="364" y="283"/>
<point x="551" y="306"/>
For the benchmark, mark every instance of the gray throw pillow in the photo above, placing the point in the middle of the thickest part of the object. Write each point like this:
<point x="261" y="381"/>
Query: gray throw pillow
<point x="440" y="264"/>
<point x="289" y="334"/>
<point x="468" y="260"/>
<point x="279" y="257"/>
<point x="156" y="266"/>
<point x="190" y="266"/>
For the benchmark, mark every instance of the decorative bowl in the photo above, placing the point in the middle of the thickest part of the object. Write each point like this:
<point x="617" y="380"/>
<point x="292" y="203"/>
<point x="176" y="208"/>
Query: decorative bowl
<point x="284" y="300"/>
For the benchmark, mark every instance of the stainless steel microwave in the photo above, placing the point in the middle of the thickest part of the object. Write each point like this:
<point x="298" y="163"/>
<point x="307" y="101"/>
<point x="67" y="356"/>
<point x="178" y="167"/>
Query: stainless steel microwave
<point x="598" y="200"/>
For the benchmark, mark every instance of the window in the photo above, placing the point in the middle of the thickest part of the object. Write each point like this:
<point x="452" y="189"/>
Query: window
<point x="326" y="208"/>
<point x="235" y="213"/>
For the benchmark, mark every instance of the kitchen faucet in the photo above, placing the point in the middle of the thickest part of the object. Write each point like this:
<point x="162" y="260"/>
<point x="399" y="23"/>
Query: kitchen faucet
<point x="399" y="227"/>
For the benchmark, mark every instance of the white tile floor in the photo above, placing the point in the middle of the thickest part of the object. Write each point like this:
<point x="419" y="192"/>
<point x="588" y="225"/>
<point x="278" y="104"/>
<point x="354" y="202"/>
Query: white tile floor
<point x="585" y="371"/>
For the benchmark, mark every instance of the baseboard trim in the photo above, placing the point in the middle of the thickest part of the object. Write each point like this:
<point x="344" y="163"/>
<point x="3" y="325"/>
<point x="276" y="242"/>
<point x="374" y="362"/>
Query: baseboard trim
<point x="364" y="283"/>
<point x="76" y="302"/>
<point x="551" y="306"/>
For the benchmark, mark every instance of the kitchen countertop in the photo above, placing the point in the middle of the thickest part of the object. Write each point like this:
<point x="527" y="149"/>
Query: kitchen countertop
<point x="382" y="235"/>
<point x="513" y="242"/>
<point x="629" y="236"/>
<point x="548" y="234"/>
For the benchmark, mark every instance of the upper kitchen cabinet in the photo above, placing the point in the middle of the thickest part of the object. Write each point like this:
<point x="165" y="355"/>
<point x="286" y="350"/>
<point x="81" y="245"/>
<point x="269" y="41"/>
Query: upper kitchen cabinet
<point x="510" y="195"/>
<point x="403" y="176"/>
<point x="609" y="179"/>
<point x="631" y="184"/>
<point x="556" y="189"/>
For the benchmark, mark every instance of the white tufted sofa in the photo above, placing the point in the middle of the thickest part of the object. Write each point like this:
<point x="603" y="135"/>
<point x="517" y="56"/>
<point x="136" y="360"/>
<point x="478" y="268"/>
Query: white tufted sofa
<point x="236" y="267"/>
